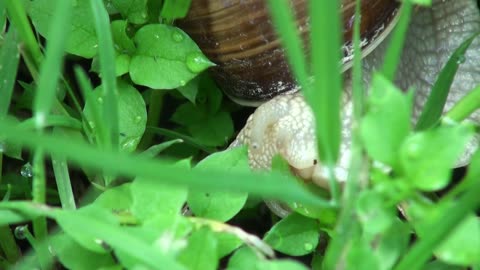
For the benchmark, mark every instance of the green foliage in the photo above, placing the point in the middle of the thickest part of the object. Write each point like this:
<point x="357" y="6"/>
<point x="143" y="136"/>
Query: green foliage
<point x="121" y="194"/>
<point x="294" y="235"/>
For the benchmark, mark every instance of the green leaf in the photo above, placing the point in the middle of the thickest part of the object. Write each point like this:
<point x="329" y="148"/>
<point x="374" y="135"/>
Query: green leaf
<point x="294" y="235"/>
<point x="151" y="199"/>
<point x="391" y="244"/>
<point x="190" y="90"/>
<point x="427" y="157"/>
<point x="166" y="57"/>
<point x="73" y="256"/>
<point x="201" y="251"/>
<point x="360" y="256"/>
<point x="135" y="11"/>
<point x="462" y="247"/>
<point x="220" y="206"/>
<point x="93" y="227"/>
<point x="71" y="227"/>
<point x="82" y="38"/>
<point x="227" y="243"/>
<point x="387" y="121"/>
<point x="432" y="111"/>
<point x="374" y="214"/>
<point x="116" y="199"/>
<point x="174" y="9"/>
<point x="207" y="129"/>
<point x="132" y="114"/>
<point x="243" y="259"/>
<point x="122" y="41"/>
<point x="281" y="265"/>
<point x="154" y="150"/>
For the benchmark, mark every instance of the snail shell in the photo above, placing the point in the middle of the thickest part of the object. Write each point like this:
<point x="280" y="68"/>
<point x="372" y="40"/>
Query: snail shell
<point x="238" y="35"/>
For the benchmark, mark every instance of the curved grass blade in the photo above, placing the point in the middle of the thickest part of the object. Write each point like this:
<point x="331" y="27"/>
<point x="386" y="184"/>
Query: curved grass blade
<point x="466" y="106"/>
<point x="161" y="171"/>
<point x="432" y="111"/>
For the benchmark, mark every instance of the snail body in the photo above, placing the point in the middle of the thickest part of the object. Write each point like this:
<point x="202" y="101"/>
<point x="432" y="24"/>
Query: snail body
<point x="284" y="125"/>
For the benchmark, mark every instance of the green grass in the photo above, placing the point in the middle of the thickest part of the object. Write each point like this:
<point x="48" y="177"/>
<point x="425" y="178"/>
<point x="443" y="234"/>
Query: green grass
<point x="118" y="205"/>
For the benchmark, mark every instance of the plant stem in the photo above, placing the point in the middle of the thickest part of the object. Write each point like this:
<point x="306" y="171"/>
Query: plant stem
<point x="39" y="193"/>
<point x="62" y="177"/>
<point x="18" y="17"/>
<point x="154" y="114"/>
<point x="419" y="254"/>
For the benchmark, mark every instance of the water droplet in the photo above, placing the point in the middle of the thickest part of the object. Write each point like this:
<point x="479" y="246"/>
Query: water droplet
<point x="157" y="36"/>
<point x="177" y="36"/>
<point x="308" y="246"/>
<point x="40" y="120"/>
<point x="20" y="232"/>
<point x="27" y="170"/>
<point x="138" y="118"/>
<point x="182" y="83"/>
<point x="197" y="62"/>
<point x="461" y="59"/>
<point x="413" y="150"/>
<point x="104" y="244"/>
<point x="100" y="100"/>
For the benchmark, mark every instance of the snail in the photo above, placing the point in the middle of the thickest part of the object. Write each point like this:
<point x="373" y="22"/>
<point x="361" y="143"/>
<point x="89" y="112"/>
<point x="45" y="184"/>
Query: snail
<point x="238" y="36"/>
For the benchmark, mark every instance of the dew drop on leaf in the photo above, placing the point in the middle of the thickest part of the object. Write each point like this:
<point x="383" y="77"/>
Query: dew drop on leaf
<point x="138" y="119"/>
<point x="177" y="36"/>
<point x="19" y="232"/>
<point x="308" y="246"/>
<point x="197" y="62"/>
<point x="461" y="59"/>
<point x="100" y="100"/>
<point x="27" y="170"/>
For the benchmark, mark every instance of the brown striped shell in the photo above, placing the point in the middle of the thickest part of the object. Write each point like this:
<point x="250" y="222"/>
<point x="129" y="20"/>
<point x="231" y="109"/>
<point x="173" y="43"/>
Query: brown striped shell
<point x="239" y="37"/>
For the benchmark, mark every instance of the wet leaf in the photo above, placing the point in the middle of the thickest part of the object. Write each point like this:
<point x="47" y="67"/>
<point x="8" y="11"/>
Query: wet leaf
<point x="166" y="57"/>
<point x="294" y="235"/>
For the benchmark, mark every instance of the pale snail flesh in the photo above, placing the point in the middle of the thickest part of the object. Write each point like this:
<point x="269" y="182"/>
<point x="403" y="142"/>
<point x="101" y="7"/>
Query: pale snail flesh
<point x="284" y="125"/>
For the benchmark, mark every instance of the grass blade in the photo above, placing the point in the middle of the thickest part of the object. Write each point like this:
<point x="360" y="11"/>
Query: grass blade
<point x="286" y="28"/>
<point x="422" y="250"/>
<point x="394" y="50"/>
<point x="432" y="111"/>
<point x="50" y="70"/>
<point x="9" y="59"/>
<point x="112" y="162"/>
<point x="466" y="106"/>
<point x="107" y="71"/>
<point x="324" y="97"/>
<point x="18" y="17"/>
<point x="344" y="231"/>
